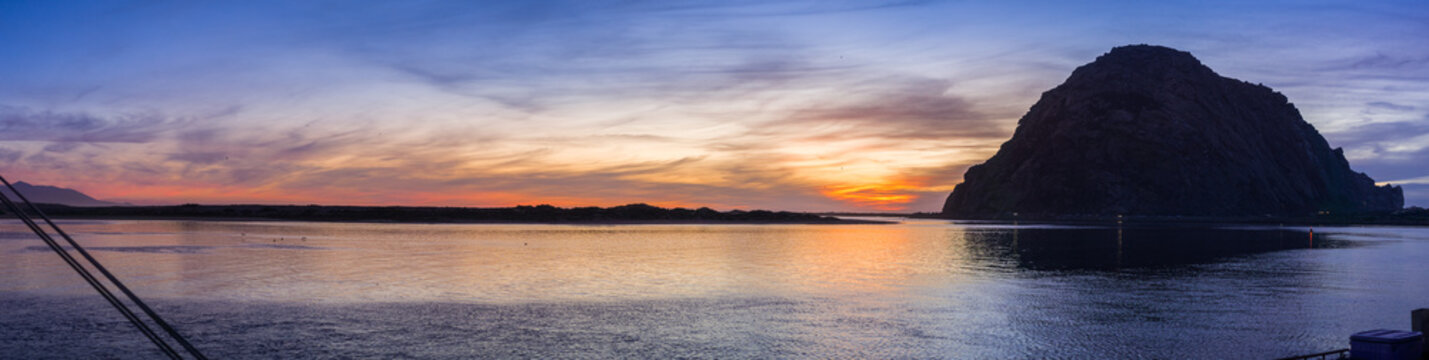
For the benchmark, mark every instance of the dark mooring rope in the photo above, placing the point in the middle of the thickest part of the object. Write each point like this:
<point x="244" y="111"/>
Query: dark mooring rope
<point x="94" y="282"/>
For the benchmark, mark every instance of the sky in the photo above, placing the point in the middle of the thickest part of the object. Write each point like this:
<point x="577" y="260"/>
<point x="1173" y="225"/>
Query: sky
<point x="786" y="105"/>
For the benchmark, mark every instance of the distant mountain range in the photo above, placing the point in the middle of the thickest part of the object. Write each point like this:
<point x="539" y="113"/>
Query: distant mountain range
<point x="44" y="194"/>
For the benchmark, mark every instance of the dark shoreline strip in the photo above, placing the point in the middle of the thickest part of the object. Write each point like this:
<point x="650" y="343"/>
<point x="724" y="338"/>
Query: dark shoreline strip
<point x="543" y="214"/>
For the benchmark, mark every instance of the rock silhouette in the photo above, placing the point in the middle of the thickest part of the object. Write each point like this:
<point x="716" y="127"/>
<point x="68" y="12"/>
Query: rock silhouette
<point x="1149" y="130"/>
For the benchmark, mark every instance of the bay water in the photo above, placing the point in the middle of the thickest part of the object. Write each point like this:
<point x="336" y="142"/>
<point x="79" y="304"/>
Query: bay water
<point x="917" y="289"/>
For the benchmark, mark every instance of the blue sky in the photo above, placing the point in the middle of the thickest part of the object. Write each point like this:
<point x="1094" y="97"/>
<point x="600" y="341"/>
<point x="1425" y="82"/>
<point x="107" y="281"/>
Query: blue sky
<point x="800" y="105"/>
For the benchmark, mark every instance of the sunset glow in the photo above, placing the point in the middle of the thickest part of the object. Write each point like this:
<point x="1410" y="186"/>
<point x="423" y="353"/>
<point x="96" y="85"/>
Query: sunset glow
<point x="806" y="106"/>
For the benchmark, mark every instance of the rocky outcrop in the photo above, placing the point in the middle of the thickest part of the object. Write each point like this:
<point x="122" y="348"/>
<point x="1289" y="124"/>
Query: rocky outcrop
<point x="1149" y="130"/>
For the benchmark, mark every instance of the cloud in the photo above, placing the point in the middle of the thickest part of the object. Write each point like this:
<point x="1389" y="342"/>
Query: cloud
<point x="772" y="9"/>
<point x="1422" y="180"/>
<point x="568" y="185"/>
<point x="1381" y="61"/>
<point x="1380" y="132"/>
<point x="554" y="64"/>
<point x="636" y="66"/>
<point x="9" y="156"/>
<point x="541" y="56"/>
<point x="1416" y="191"/>
<point x="23" y="124"/>
<point x="914" y="189"/>
<point x="1389" y="106"/>
<point x="813" y="105"/>
<point x="61" y="147"/>
<point x="200" y="158"/>
<point x="911" y="109"/>
<point x="1386" y="149"/>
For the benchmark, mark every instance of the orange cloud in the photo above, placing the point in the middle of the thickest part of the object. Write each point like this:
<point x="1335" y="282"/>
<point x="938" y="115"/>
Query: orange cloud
<point x="894" y="193"/>
<point x="885" y="196"/>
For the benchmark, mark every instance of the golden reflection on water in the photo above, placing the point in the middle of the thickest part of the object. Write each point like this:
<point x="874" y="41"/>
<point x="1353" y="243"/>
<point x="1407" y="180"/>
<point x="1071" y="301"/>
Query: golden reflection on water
<point x="912" y="290"/>
<point x="323" y="262"/>
<point x="331" y="262"/>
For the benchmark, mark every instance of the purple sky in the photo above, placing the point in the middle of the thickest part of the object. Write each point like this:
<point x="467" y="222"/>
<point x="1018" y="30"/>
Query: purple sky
<point x="804" y="105"/>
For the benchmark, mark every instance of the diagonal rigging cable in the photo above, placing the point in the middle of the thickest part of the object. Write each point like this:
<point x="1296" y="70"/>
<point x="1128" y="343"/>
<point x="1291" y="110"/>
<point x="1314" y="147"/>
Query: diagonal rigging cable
<point x="94" y="282"/>
<point x="115" y="280"/>
<point x="89" y="278"/>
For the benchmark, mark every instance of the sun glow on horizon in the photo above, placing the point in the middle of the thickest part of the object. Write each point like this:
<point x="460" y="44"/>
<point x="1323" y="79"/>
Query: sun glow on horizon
<point x="803" y="106"/>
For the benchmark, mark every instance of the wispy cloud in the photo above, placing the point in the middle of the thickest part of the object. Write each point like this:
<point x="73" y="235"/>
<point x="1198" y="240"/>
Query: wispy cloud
<point x="24" y="124"/>
<point x="827" y="105"/>
<point x="9" y="156"/>
<point x="1423" y="180"/>
<point x="1389" y="106"/>
<point x="912" y="109"/>
<point x="1380" y="61"/>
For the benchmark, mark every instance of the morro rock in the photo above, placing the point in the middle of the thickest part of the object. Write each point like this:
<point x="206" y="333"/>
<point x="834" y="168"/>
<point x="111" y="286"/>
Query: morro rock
<point x="1149" y="130"/>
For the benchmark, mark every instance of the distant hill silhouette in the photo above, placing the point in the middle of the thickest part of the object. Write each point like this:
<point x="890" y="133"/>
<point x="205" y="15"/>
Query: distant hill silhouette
<point x="44" y="194"/>
<point x="624" y="214"/>
<point x="1149" y="130"/>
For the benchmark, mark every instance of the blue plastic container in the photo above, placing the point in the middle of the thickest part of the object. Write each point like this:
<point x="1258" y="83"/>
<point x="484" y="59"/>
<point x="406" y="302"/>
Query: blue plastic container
<point x="1386" y="345"/>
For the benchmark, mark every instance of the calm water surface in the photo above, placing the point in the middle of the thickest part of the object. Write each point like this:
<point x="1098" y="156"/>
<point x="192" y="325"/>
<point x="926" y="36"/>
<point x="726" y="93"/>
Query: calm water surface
<point x="921" y="289"/>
